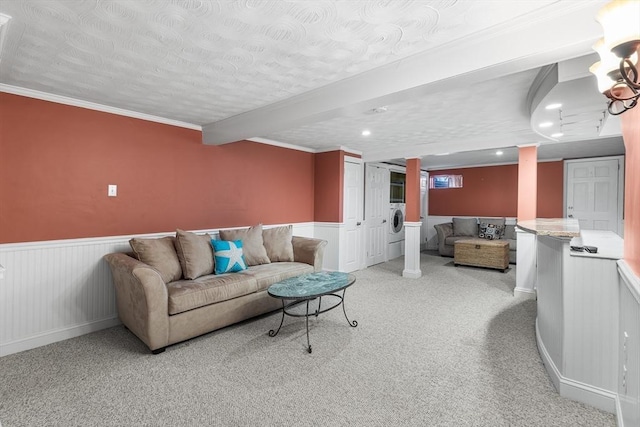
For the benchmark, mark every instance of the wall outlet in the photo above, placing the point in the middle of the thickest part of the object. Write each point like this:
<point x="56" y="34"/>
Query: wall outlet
<point x="112" y="190"/>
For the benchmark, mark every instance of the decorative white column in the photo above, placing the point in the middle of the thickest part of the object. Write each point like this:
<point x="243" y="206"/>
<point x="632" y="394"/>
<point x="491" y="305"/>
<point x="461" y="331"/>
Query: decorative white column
<point x="412" y="250"/>
<point x="526" y="262"/>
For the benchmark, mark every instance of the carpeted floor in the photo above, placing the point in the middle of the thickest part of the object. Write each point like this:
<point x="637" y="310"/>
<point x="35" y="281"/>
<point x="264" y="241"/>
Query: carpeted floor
<point x="454" y="348"/>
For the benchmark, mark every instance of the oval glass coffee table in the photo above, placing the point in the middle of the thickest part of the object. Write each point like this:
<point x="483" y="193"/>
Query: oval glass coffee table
<point x="307" y="288"/>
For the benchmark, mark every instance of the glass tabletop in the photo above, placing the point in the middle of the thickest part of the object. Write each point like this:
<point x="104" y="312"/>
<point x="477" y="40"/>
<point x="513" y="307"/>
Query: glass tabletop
<point x="311" y="285"/>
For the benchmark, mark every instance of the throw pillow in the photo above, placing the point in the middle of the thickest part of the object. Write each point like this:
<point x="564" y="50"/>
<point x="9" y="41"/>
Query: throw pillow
<point x="497" y="221"/>
<point x="278" y="243"/>
<point x="195" y="254"/>
<point x="159" y="254"/>
<point x="228" y="256"/>
<point x="252" y="244"/>
<point x="490" y="231"/>
<point x="465" y="227"/>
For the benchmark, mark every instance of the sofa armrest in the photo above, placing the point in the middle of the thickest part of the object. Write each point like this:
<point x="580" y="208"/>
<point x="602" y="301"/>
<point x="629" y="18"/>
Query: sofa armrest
<point x="141" y="298"/>
<point x="308" y="250"/>
<point x="444" y="230"/>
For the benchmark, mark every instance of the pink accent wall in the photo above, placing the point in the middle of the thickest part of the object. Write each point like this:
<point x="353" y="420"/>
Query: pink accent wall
<point x="550" y="190"/>
<point x="493" y="191"/>
<point x="490" y="191"/>
<point x="413" y="190"/>
<point x="57" y="160"/>
<point x="631" y="135"/>
<point x="527" y="183"/>
<point x="329" y="184"/>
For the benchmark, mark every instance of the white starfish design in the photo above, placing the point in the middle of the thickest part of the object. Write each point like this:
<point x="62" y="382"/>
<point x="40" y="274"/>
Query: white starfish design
<point x="234" y="254"/>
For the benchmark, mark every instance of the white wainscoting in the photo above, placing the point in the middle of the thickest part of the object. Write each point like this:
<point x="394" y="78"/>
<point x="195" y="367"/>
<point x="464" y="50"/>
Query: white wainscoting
<point x="334" y="233"/>
<point x="628" y="387"/>
<point x="55" y="290"/>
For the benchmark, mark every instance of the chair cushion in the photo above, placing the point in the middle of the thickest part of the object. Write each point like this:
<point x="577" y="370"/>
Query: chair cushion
<point x="465" y="227"/>
<point x="278" y="243"/>
<point x="195" y="254"/>
<point x="159" y="254"/>
<point x="252" y="244"/>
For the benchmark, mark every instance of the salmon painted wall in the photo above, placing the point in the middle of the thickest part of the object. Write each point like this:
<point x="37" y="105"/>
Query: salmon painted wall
<point x="527" y="183"/>
<point x="631" y="135"/>
<point x="57" y="160"/>
<point x="550" y="189"/>
<point x="493" y="191"/>
<point x="329" y="182"/>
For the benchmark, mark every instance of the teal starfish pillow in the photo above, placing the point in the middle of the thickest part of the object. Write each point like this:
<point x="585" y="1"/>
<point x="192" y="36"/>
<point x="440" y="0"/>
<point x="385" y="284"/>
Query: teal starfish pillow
<point x="228" y="256"/>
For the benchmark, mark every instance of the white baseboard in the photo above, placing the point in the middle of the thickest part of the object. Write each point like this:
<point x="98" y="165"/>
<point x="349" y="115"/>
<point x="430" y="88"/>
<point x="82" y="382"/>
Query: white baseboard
<point x="575" y="390"/>
<point x="57" y="335"/>
<point x="525" y="293"/>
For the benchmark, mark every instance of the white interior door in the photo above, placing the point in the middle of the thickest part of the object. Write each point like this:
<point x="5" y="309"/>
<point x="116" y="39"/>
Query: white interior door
<point x="352" y="216"/>
<point x="376" y="213"/>
<point x="592" y="194"/>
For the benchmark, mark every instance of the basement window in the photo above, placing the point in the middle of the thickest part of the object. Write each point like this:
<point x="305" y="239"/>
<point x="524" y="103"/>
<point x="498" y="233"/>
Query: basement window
<point x="445" y="181"/>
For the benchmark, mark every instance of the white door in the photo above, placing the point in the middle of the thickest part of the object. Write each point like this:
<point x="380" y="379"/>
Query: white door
<point x="352" y="216"/>
<point x="592" y="194"/>
<point x="376" y="213"/>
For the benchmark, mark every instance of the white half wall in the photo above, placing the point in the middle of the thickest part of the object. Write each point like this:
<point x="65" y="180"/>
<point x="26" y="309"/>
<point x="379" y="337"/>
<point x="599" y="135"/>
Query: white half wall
<point x="55" y="290"/>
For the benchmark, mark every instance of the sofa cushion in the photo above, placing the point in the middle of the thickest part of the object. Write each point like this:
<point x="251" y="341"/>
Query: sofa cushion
<point x="268" y="274"/>
<point x="252" y="244"/>
<point x="229" y="257"/>
<point x="195" y="254"/>
<point x="465" y="227"/>
<point x="159" y="254"/>
<point x="186" y="295"/>
<point x="278" y="243"/>
<point x="451" y="240"/>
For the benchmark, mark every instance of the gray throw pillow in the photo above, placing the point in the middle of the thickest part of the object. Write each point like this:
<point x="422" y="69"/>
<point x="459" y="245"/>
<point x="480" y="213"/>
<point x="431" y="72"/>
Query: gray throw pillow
<point x="278" y="243"/>
<point x="252" y="244"/>
<point x="195" y="254"/>
<point x="465" y="227"/>
<point x="159" y="254"/>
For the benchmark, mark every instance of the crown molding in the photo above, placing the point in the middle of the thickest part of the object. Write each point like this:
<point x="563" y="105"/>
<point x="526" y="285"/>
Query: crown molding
<point x="59" y="99"/>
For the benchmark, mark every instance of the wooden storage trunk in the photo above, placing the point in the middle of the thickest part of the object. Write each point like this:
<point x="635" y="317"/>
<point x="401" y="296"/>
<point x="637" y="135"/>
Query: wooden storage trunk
<point x="482" y="253"/>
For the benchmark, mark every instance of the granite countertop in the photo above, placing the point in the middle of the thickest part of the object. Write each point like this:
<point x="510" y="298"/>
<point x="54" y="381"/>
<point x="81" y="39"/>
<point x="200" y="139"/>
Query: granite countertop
<point x="555" y="227"/>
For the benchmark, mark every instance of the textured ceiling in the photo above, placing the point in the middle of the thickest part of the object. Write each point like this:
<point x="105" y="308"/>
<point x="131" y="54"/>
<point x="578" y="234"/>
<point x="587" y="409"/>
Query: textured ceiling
<point x="201" y="62"/>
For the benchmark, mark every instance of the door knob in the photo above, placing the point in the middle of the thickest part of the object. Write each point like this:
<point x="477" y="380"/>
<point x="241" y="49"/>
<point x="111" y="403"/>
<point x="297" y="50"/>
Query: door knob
<point x="384" y="221"/>
<point x="570" y="216"/>
<point x="358" y="223"/>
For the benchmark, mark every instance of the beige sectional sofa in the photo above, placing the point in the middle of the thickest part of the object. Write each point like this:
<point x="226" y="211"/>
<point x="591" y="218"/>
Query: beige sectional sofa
<point x="466" y="228"/>
<point x="167" y="290"/>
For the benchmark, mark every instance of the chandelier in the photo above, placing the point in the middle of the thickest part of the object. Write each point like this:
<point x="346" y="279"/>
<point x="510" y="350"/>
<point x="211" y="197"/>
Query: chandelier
<point x="617" y="71"/>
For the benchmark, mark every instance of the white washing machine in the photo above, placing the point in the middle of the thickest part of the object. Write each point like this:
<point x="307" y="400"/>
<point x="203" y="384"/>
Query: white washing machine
<point x="396" y="222"/>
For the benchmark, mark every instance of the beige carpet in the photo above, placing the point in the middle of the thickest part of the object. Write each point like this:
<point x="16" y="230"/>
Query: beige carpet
<point x="453" y="348"/>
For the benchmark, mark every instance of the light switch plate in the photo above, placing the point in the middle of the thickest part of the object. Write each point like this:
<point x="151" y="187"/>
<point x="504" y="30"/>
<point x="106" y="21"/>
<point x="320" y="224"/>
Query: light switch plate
<point x="112" y="191"/>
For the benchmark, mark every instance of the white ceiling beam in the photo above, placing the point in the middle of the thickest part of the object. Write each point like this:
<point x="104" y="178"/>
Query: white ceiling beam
<point x="536" y="39"/>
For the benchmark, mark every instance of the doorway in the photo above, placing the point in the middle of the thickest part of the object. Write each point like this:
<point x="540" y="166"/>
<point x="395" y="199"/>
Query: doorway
<point x="594" y="193"/>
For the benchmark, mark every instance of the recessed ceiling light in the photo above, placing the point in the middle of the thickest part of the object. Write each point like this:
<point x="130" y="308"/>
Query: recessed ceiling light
<point x="557" y="135"/>
<point x="499" y="153"/>
<point x="546" y="124"/>
<point x="366" y="132"/>
<point x="554" y="106"/>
